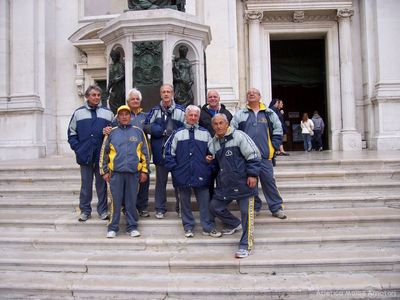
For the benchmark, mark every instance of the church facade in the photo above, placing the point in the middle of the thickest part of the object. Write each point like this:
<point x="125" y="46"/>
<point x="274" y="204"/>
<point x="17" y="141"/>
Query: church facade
<point x="338" y="57"/>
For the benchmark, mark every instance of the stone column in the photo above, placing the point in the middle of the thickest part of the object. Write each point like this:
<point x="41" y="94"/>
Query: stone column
<point x="4" y="52"/>
<point x="350" y="139"/>
<point x="254" y="18"/>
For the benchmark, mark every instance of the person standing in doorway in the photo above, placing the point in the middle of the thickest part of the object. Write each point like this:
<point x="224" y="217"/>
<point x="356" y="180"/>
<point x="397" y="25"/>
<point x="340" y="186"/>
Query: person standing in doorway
<point x="319" y="127"/>
<point x="307" y="127"/>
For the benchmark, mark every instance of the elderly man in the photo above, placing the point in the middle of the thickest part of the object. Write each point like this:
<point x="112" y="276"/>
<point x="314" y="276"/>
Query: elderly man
<point x="212" y="108"/>
<point x="185" y="156"/>
<point x="264" y="127"/>
<point x="238" y="161"/>
<point x="137" y="119"/>
<point x="161" y="121"/>
<point x="85" y="134"/>
<point x="124" y="164"/>
<point x="209" y="110"/>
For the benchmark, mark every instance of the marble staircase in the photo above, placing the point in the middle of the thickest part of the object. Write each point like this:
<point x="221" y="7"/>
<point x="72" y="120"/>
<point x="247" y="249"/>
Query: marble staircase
<point x="341" y="240"/>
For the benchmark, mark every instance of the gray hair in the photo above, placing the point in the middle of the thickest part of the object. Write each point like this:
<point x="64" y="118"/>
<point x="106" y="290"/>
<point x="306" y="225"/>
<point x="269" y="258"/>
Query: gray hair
<point x="92" y="87"/>
<point x="213" y="91"/>
<point x="167" y="85"/>
<point x="192" y="107"/>
<point x="136" y="92"/>
<point x="223" y="116"/>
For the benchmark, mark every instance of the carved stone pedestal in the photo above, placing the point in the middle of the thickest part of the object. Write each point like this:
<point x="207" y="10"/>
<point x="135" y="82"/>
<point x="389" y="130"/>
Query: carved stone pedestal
<point x="150" y="40"/>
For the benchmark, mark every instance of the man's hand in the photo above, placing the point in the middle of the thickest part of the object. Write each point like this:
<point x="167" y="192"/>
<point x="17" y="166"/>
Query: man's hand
<point x="209" y="158"/>
<point x="107" y="130"/>
<point x="106" y="177"/>
<point x="251" y="181"/>
<point x="142" y="177"/>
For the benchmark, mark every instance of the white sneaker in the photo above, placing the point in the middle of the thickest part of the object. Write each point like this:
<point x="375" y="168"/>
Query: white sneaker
<point x="111" y="234"/>
<point x="242" y="253"/>
<point x="189" y="233"/>
<point x="134" y="233"/>
<point x="159" y="215"/>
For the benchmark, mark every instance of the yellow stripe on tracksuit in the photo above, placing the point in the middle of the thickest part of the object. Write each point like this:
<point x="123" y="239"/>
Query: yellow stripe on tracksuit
<point x="112" y="207"/>
<point x="271" y="148"/>
<point x="112" y="155"/>
<point x="102" y="153"/>
<point x="142" y="165"/>
<point x="250" y="224"/>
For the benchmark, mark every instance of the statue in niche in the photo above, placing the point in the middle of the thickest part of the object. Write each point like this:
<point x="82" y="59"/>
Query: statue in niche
<point x="155" y="4"/>
<point x="116" y="82"/>
<point x="183" y="78"/>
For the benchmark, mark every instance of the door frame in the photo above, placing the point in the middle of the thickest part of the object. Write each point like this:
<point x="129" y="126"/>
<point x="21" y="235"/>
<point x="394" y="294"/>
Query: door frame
<point x="328" y="30"/>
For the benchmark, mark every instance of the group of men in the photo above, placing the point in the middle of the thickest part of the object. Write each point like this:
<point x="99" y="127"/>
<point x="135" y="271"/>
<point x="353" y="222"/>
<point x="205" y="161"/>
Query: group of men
<point x="196" y="145"/>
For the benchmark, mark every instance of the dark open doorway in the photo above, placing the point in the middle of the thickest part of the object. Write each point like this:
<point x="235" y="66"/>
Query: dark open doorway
<point x="299" y="79"/>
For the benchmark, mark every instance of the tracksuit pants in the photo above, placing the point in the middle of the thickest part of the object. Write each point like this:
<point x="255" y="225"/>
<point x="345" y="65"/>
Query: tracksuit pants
<point x="123" y="187"/>
<point x="143" y="195"/>
<point x="269" y="188"/>
<point x="86" y="193"/>
<point x="219" y="208"/>
<point x="203" y="199"/>
<point x="160" y="197"/>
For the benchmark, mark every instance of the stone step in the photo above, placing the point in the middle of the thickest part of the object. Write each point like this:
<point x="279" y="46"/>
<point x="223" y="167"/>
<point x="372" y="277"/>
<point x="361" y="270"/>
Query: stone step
<point x="279" y="261"/>
<point x="266" y="239"/>
<point x="341" y="236"/>
<point x="196" y="285"/>
<point x="316" y="163"/>
<point x="280" y="175"/>
<point x="316" y="218"/>
<point x="297" y="160"/>
<point x="62" y="189"/>
<point x="291" y="201"/>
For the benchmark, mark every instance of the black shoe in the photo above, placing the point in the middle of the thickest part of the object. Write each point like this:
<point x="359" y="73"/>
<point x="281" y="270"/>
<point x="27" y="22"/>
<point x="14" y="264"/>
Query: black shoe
<point x="285" y="154"/>
<point x="84" y="217"/>
<point x="144" y="214"/>
<point x="104" y="216"/>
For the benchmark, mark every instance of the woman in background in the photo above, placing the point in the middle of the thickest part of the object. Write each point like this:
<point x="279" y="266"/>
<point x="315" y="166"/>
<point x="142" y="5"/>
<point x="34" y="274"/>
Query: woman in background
<point x="307" y="127"/>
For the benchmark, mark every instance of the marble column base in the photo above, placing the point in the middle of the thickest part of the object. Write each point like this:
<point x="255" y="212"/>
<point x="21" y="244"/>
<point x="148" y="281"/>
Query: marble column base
<point x="350" y="141"/>
<point x="18" y="151"/>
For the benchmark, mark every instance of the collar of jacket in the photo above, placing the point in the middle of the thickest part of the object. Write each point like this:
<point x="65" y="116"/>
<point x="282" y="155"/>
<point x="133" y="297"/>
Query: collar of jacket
<point x="138" y="111"/>
<point x="262" y="107"/>
<point x="227" y="137"/>
<point x="86" y="104"/>
<point x="124" y="126"/>
<point x="170" y="109"/>
<point x="188" y="126"/>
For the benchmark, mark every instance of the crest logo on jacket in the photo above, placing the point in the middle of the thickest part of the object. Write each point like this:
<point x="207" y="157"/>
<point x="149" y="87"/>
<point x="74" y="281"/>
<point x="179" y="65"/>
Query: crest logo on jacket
<point x="262" y="120"/>
<point x="133" y="139"/>
<point x="228" y="153"/>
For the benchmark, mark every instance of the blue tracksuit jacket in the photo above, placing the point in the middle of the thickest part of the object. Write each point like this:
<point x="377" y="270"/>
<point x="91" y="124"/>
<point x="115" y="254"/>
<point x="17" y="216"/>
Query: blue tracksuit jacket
<point x="185" y="156"/>
<point x="237" y="158"/>
<point x="85" y="132"/>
